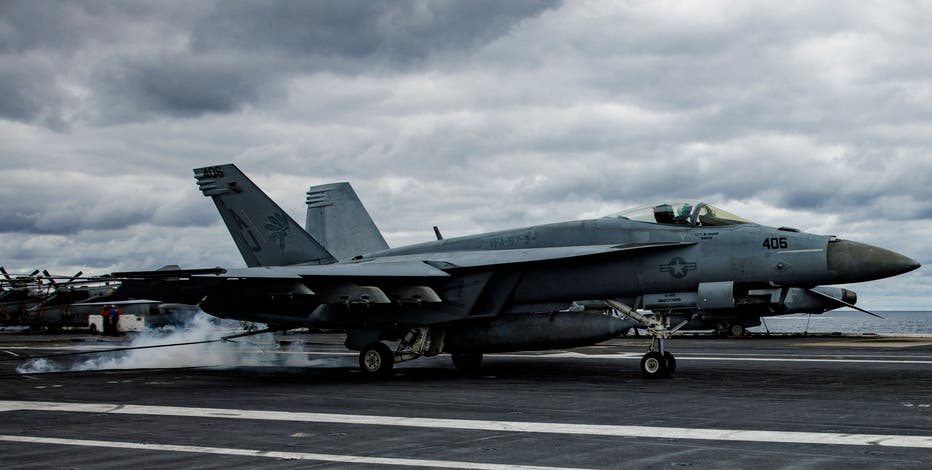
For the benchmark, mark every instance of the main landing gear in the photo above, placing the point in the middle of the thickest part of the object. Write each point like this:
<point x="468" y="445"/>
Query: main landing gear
<point x="731" y="329"/>
<point x="657" y="363"/>
<point x="737" y="329"/>
<point x="376" y="359"/>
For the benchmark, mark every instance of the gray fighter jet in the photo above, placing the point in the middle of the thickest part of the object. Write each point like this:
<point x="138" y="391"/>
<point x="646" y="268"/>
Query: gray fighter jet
<point x="338" y="220"/>
<point x="498" y="291"/>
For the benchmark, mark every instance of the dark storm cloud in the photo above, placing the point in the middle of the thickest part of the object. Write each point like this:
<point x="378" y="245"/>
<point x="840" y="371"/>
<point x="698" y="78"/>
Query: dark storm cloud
<point x="242" y="52"/>
<point x="67" y="202"/>
<point x="137" y="61"/>
<point x="58" y="223"/>
<point x="68" y="218"/>
<point x="354" y="32"/>
<point x="180" y="86"/>
<point x="63" y="25"/>
<point x="29" y="91"/>
<point x="48" y="48"/>
<point x="56" y="26"/>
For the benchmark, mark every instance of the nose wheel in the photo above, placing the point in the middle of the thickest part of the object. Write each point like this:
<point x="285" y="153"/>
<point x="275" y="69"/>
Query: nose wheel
<point x="656" y="365"/>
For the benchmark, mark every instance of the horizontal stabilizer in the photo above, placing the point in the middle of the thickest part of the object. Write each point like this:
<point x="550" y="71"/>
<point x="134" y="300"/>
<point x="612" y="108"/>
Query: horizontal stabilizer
<point x="412" y="269"/>
<point x="165" y="273"/>
<point x="120" y="303"/>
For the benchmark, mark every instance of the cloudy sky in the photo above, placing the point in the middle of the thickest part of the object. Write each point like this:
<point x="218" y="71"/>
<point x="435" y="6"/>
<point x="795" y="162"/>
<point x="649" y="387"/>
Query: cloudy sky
<point x="473" y="115"/>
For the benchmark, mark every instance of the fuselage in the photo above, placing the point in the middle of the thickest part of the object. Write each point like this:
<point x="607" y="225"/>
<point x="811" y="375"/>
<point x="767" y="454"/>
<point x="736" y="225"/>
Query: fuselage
<point x="743" y="253"/>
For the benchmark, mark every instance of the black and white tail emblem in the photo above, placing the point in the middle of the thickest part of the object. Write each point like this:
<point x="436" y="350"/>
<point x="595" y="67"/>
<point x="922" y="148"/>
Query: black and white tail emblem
<point x="278" y="229"/>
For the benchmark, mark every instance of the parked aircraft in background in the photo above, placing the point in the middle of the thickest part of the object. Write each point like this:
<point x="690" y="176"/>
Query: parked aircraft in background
<point x="41" y="300"/>
<point x="500" y="291"/>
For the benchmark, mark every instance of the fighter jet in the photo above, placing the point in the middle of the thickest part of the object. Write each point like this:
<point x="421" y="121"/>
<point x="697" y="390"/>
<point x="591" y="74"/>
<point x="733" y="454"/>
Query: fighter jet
<point x="338" y="220"/>
<point x="500" y="291"/>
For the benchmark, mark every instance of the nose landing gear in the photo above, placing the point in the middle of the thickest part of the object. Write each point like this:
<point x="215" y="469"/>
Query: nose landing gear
<point x="657" y="363"/>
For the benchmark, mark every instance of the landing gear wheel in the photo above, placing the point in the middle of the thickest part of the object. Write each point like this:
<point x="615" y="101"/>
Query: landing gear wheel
<point x="376" y="359"/>
<point x="671" y="364"/>
<point x="467" y="362"/>
<point x="736" y="330"/>
<point x="654" y="365"/>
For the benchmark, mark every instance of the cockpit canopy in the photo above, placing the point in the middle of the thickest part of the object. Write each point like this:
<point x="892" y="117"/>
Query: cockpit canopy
<point x="689" y="213"/>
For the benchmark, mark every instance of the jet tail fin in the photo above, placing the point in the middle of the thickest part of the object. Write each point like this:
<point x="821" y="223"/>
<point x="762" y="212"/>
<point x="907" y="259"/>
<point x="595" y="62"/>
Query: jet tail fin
<point x="263" y="232"/>
<point x="337" y="219"/>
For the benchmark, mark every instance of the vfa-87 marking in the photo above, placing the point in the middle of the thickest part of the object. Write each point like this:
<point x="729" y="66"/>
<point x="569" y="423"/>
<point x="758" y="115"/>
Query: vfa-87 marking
<point x="508" y="290"/>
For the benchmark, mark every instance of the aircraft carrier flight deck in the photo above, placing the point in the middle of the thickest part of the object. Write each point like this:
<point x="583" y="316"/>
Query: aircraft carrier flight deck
<point x="757" y="402"/>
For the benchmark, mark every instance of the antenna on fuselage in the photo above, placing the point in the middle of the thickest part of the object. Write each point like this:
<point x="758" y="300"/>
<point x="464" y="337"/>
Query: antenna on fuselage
<point x="437" y="233"/>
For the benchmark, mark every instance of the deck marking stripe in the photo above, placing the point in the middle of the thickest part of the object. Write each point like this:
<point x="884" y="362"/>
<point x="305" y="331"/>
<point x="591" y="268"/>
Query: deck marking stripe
<point x="790" y="359"/>
<point x="618" y="356"/>
<point x="355" y="459"/>
<point x="638" y="356"/>
<point x="786" y="437"/>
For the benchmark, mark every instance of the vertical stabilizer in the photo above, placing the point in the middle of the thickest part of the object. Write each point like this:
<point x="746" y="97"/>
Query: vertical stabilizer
<point x="263" y="232"/>
<point x="337" y="219"/>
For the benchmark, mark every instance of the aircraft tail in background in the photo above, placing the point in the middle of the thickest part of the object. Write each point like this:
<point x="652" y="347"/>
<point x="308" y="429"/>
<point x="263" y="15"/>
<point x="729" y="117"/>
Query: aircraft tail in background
<point x="338" y="220"/>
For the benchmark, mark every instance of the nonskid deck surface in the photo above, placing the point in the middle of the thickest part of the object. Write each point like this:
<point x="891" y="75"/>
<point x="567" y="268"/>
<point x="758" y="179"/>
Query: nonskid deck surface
<point x="858" y="402"/>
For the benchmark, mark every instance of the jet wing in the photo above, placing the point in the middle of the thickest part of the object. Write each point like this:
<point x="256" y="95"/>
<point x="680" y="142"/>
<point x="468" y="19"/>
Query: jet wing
<point x="422" y="265"/>
<point x="421" y="281"/>
<point x="436" y="264"/>
<point x="491" y="258"/>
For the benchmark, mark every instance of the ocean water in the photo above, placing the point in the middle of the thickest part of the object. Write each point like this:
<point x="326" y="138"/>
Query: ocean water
<point x="851" y="322"/>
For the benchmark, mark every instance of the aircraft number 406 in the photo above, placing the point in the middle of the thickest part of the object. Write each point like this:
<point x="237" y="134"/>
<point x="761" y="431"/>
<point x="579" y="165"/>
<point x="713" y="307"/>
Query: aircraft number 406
<point x="774" y="243"/>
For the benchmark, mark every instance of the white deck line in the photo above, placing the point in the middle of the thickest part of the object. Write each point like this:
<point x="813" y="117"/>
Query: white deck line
<point x="784" y="437"/>
<point x="354" y="459"/>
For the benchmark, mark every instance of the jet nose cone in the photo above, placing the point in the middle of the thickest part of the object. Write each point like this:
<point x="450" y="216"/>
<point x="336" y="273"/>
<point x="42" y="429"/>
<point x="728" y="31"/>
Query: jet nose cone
<point x="858" y="262"/>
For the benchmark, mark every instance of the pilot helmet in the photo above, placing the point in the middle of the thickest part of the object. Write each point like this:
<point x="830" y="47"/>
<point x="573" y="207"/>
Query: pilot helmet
<point x="685" y="210"/>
